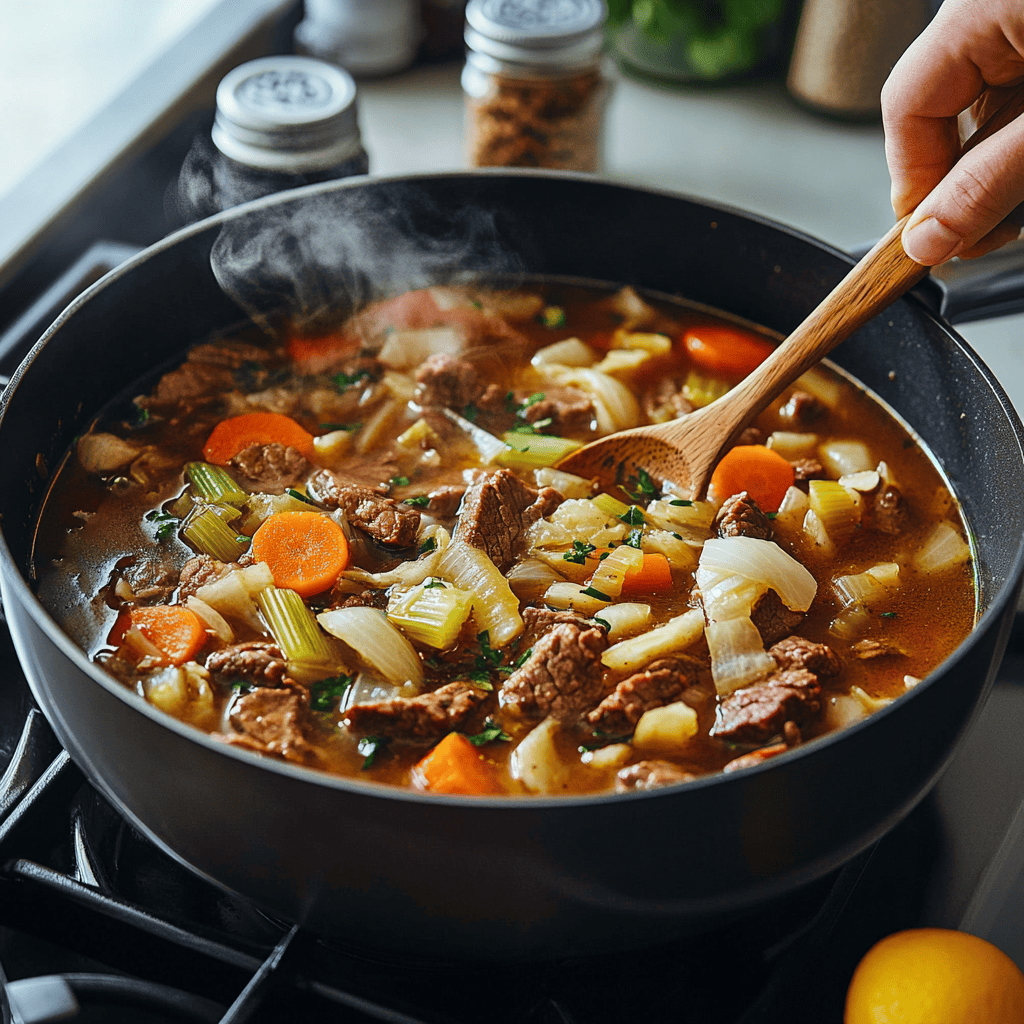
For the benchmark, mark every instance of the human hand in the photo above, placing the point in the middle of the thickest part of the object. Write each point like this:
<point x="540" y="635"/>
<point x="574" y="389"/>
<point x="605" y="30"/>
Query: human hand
<point x="959" y="204"/>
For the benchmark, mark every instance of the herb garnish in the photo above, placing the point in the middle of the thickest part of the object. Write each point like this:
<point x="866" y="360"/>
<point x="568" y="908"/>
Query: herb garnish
<point x="142" y="415"/>
<point x="488" y="655"/>
<point x="432" y="582"/>
<point x="470" y="412"/>
<point x="324" y="693"/>
<point x="399" y="481"/>
<point x="418" y="501"/>
<point x="428" y="545"/>
<point x="888" y="615"/>
<point x="299" y="496"/>
<point x="603" y="622"/>
<point x="491" y="732"/>
<point x="633" y="516"/>
<point x="579" y="552"/>
<point x="522" y="425"/>
<point x="594" y="592"/>
<point x="521" y="660"/>
<point x="635" y="538"/>
<point x="640" y="487"/>
<point x="552" y="317"/>
<point x="370" y="747"/>
<point x="167" y="525"/>
<point x="350" y="427"/>
<point x="346" y="380"/>
<point x="682" y="502"/>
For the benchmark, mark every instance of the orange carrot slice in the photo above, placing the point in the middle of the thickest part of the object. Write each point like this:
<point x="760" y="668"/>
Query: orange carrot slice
<point x="316" y="354"/>
<point x="729" y="351"/>
<point x="304" y="550"/>
<point x="175" y="629"/>
<point x="455" y="766"/>
<point x="653" y="577"/>
<point x="232" y="435"/>
<point x="763" y="474"/>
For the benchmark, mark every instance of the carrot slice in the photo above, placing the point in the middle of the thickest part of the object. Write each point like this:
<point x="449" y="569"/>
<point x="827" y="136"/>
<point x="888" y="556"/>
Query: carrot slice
<point x="304" y="550"/>
<point x="175" y="629"/>
<point x="232" y="435"/>
<point x="765" y="475"/>
<point x="653" y="577"/>
<point x="729" y="351"/>
<point x="455" y="766"/>
<point x="316" y="354"/>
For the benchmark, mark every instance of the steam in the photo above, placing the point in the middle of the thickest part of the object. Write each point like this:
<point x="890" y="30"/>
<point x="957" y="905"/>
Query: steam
<point x="312" y="259"/>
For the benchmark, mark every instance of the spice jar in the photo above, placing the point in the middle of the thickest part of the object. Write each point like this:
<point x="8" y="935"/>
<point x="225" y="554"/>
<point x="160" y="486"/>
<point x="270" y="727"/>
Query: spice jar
<point x="281" y="122"/>
<point x="535" y="84"/>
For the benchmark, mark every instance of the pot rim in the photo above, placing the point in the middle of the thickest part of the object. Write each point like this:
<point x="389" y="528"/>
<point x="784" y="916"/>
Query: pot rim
<point x="14" y="585"/>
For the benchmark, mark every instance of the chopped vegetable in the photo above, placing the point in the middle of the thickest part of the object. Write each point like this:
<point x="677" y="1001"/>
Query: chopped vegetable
<point x="376" y="642"/>
<point x="324" y="693"/>
<point x="654" y="576"/>
<point x="837" y="509"/>
<point x="763" y="474"/>
<point x="214" y="484"/>
<point x="431" y="613"/>
<point x="728" y="351"/>
<point x="206" y="530"/>
<point x="491" y="733"/>
<point x="607" y="581"/>
<point x="941" y="549"/>
<point x="526" y="451"/>
<point x="233" y="435"/>
<point x="763" y="562"/>
<point x="294" y="628"/>
<point x="737" y="652"/>
<point x="456" y="767"/>
<point x="306" y="551"/>
<point x="495" y="607"/>
<point x="175" y="630"/>
<point x="675" y="635"/>
<point x="166" y="524"/>
<point x="536" y="762"/>
<point x="666" y="729"/>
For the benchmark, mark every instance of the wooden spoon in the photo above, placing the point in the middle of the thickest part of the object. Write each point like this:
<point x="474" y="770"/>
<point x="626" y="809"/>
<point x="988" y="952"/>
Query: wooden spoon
<point x="685" y="450"/>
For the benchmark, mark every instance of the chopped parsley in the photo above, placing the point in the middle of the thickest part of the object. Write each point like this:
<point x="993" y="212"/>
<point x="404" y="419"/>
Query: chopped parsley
<point x="594" y="592"/>
<point x="491" y="732"/>
<point x="552" y="317"/>
<point x="399" y="481"/>
<point x="888" y="615"/>
<point x="635" y="538"/>
<point x="633" y="516"/>
<point x="522" y="425"/>
<point x="428" y="545"/>
<point x="470" y="412"/>
<point x="521" y="660"/>
<point x="488" y="656"/>
<point x="324" y="693"/>
<point x="432" y="582"/>
<point x="370" y="747"/>
<point x="166" y="524"/>
<point x="682" y="502"/>
<point x="640" y="487"/>
<point x="350" y="427"/>
<point x="480" y="678"/>
<point x="242" y="685"/>
<point x="346" y="380"/>
<point x="579" y="552"/>
<point x="603" y="622"/>
<point x="299" y="496"/>
<point x="419" y="501"/>
<point x="141" y="415"/>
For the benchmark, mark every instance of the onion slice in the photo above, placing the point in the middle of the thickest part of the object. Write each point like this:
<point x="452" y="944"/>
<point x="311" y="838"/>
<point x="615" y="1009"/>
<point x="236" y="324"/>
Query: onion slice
<point x="761" y="561"/>
<point x="376" y="642"/>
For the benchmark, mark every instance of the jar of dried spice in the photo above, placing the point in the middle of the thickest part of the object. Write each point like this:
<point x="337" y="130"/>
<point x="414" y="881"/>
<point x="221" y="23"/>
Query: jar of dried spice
<point x="535" y="84"/>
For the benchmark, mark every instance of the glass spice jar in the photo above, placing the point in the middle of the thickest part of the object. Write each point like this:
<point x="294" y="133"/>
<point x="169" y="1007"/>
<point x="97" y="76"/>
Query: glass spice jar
<point x="535" y="83"/>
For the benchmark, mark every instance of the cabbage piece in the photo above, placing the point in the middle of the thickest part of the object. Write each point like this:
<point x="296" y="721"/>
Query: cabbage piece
<point x="233" y="595"/>
<point x="615" y="405"/>
<point x="763" y="562"/>
<point x="612" y="571"/>
<point x="567" y="484"/>
<point x="432" y="613"/>
<point x="375" y="642"/>
<point x="103" y="453"/>
<point x="567" y="353"/>
<point x="405" y="350"/>
<point x="738" y="656"/>
<point x="842" y="457"/>
<point x="530" y="578"/>
<point x="495" y="607"/>
<point x="675" y="635"/>
<point x="943" y="548"/>
<point x="625" y="618"/>
<point x="575" y="598"/>
<point x="408" y="574"/>
<point x="576" y="519"/>
<point x="837" y="508"/>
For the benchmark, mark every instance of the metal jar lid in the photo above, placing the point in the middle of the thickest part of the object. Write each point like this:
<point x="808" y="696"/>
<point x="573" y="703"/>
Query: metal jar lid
<point x="289" y="114"/>
<point x="540" y="33"/>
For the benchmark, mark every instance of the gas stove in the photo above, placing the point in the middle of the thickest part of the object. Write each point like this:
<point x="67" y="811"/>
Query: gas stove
<point x="93" y="915"/>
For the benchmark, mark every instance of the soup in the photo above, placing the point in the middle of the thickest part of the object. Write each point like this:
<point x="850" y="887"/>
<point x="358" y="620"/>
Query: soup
<point x="356" y="551"/>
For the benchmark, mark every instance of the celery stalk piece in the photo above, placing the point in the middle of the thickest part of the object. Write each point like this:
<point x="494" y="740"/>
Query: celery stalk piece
<point x="701" y="390"/>
<point x="836" y="507"/>
<point x="529" y="451"/>
<point x="214" y="484"/>
<point x="610" y="506"/>
<point x="208" y="532"/>
<point x="432" y="613"/>
<point x="295" y="628"/>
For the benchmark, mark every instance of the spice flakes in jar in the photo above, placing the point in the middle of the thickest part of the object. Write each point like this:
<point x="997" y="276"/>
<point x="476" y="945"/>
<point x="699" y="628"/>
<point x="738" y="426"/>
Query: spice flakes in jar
<point x="534" y="83"/>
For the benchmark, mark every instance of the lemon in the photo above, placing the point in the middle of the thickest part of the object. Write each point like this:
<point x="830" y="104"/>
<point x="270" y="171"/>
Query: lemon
<point x="935" y="976"/>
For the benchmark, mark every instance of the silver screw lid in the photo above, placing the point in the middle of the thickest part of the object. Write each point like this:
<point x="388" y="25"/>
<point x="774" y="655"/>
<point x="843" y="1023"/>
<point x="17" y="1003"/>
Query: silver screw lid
<point x="538" y="32"/>
<point x="289" y="114"/>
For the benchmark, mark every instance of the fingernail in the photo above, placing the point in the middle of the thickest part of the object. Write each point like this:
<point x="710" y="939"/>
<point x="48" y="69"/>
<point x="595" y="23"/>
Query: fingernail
<point x="930" y="242"/>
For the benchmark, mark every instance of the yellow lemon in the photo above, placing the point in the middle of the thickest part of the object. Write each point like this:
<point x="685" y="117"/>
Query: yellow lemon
<point x="935" y="976"/>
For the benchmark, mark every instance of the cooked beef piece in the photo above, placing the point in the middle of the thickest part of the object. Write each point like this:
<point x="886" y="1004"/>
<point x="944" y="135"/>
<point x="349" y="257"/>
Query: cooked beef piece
<point x="741" y="516"/>
<point x="572" y="414"/>
<point x="808" y="469"/>
<point x="445" y="501"/>
<point x="666" y="400"/>
<point x="865" y="649"/>
<point x="367" y="599"/>
<point x="751" y="435"/>
<point x="444" y="380"/>
<point x="426" y="717"/>
<point x="662" y="682"/>
<point x="234" y="354"/>
<point x="650" y="775"/>
<point x="756" y="757"/>
<point x="259" y="662"/>
<point x="540" y="620"/>
<point x="756" y="713"/>
<point x="494" y="399"/>
<point x="562" y="675"/>
<point x="889" y="512"/>
<point x="498" y="510"/>
<point x="198" y="572"/>
<point x="270" y="468"/>
<point x="190" y="384"/>
<point x="272" y="722"/>
<point x="384" y="519"/>
<point x="796" y="652"/>
<point x="802" y="410"/>
<point x="151" y="579"/>
<point x="774" y="621"/>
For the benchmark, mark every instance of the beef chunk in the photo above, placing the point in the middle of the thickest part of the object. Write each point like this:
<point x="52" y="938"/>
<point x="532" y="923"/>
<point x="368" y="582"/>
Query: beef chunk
<point x="234" y="354"/>
<point x="889" y="512"/>
<point x="751" y="435"/>
<point x="367" y="599"/>
<point x="662" y="682"/>
<point x="755" y="713"/>
<point x="796" y="652"/>
<point x="258" y="662"/>
<point x="426" y="717"/>
<point x="272" y="722"/>
<point x="866" y="649"/>
<point x="444" y="380"/>
<point x="192" y="383"/>
<point x="540" y="620"/>
<point x="802" y="410"/>
<point x="151" y="579"/>
<point x="498" y="510"/>
<point x="807" y="469"/>
<point x="198" y="572"/>
<point x="741" y="516"/>
<point x="271" y="468"/>
<point x="774" y="621"/>
<point x="384" y="519"/>
<point x="572" y="414"/>
<point x="562" y="676"/>
<point x="445" y="501"/>
<point x="650" y="775"/>
<point x="666" y="400"/>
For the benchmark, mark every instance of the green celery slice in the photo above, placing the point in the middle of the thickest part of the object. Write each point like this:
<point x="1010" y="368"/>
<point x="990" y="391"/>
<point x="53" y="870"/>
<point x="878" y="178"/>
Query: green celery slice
<point x="215" y="484"/>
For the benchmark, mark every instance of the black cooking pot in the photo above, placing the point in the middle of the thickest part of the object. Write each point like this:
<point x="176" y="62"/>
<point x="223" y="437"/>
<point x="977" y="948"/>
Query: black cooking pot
<point x="500" y="878"/>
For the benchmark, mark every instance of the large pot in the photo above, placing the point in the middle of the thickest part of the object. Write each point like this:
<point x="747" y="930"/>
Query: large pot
<point x="500" y="878"/>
